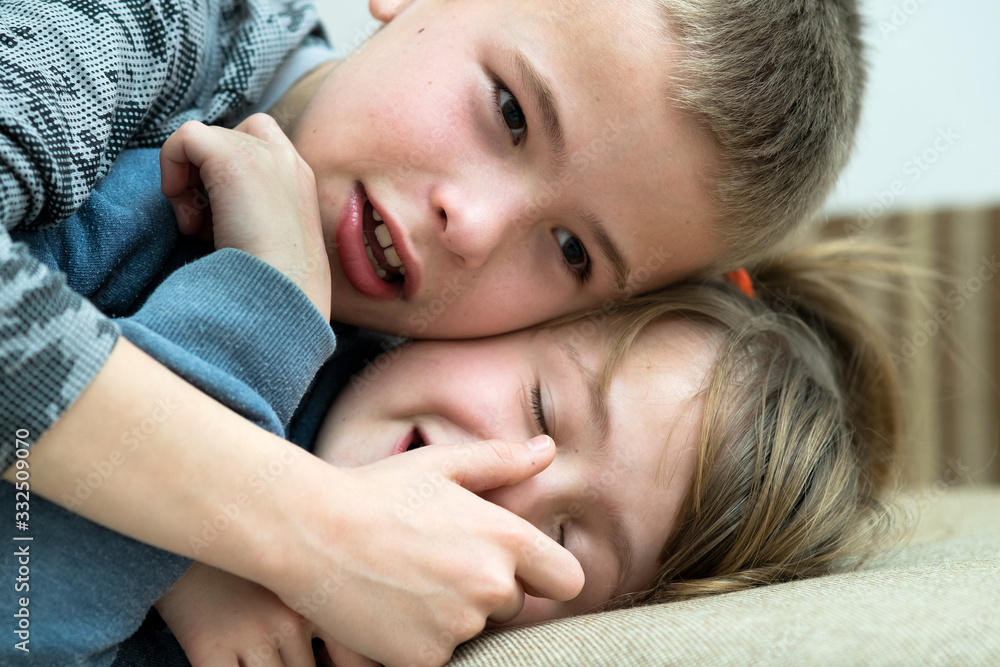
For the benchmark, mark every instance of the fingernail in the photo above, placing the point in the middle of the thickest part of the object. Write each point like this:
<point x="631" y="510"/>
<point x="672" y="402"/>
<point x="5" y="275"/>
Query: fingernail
<point x="539" y="443"/>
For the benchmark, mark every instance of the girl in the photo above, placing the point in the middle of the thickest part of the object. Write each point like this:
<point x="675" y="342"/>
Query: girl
<point x="710" y="437"/>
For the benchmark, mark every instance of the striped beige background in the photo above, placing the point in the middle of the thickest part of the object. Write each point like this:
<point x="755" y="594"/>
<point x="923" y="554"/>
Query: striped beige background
<point x="950" y="346"/>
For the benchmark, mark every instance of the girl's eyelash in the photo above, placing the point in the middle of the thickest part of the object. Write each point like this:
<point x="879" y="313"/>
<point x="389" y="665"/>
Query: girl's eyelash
<point x="536" y="408"/>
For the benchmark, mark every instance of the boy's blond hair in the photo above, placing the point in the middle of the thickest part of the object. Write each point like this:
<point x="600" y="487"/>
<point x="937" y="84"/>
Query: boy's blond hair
<point x="777" y="86"/>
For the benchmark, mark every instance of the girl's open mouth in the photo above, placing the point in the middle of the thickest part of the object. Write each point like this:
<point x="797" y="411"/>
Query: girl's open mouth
<point x="412" y="440"/>
<point x="416" y="442"/>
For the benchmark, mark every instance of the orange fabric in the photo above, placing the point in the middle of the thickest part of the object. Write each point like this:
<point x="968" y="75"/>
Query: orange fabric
<point x="741" y="279"/>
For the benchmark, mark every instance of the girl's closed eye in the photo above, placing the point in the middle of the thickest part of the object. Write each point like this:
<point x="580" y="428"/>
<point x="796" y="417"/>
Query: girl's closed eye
<point x="537" y="411"/>
<point x="510" y="112"/>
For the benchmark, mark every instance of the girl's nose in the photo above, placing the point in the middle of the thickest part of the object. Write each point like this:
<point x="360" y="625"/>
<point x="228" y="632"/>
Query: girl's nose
<point x="543" y="500"/>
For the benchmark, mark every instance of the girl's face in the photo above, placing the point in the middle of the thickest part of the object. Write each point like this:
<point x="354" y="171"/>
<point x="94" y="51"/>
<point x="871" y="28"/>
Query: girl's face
<point x="624" y="458"/>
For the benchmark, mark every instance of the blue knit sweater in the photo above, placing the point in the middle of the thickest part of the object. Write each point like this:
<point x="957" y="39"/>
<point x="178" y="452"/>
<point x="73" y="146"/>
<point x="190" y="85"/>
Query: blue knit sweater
<point x="225" y="321"/>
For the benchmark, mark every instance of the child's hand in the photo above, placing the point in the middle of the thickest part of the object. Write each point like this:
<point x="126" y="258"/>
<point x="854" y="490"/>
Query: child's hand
<point x="261" y="197"/>
<point x="414" y="563"/>
<point x="219" y="618"/>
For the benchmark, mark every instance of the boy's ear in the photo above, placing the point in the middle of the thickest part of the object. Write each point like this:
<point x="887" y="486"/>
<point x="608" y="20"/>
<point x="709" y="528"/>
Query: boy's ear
<point x="387" y="10"/>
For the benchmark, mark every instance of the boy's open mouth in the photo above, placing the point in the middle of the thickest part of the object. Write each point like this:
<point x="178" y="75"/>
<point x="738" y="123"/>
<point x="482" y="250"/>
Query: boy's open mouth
<point x="379" y="246"/>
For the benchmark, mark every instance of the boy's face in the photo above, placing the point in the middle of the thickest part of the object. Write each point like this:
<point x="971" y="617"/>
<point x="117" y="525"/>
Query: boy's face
<point x="522" y="156"/>
<point x="601" y="492"/>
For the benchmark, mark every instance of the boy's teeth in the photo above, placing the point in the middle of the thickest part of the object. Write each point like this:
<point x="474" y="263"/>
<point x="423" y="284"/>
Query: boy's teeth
<point x="382" y="234"/>
<point x="388" y="250"/>
<point x="392" y="257"/>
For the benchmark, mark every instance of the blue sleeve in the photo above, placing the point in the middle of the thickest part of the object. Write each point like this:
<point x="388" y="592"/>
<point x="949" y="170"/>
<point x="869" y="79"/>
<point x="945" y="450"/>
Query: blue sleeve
<point x="243" y="333"/>
<point x="240" y="331"/>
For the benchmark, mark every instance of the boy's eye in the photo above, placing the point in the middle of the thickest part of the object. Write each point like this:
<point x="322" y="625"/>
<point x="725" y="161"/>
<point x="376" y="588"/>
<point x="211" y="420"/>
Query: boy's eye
<point x="574" y="253"/>
<point x="511" y="113"/>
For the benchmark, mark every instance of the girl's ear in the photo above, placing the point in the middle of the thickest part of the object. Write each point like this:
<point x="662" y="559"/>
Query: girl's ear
<point x="387" y="10"/>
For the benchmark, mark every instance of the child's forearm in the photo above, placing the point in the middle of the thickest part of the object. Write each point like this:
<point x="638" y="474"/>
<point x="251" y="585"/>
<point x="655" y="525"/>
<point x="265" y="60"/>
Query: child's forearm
<point x="171" y="461"/>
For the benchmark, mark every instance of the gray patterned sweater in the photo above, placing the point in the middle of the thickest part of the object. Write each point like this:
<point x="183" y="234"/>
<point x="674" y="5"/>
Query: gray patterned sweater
<point x="79" y="81"/>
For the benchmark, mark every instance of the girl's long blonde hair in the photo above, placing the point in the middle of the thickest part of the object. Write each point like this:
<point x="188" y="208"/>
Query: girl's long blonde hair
<point x="802" y="427"/>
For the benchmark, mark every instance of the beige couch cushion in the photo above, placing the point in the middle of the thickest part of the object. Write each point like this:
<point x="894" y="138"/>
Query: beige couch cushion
<point x="933" y="601"/>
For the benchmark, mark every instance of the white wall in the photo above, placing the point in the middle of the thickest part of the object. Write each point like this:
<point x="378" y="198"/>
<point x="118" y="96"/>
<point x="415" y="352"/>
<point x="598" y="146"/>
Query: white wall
<point x="930" y="135"/>
<point x="935" y="73"/>
<point x="347" y="22"/>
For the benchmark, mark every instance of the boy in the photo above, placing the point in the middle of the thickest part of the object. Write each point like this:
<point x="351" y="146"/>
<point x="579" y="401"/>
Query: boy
<point x="523" y="210"/>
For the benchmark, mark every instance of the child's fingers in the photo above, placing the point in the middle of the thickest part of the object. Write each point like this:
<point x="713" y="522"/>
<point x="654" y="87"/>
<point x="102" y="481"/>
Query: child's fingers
<point x="545" y="568"/>
<point x="510" y="609"/>
<point x="193" y="214"/>
<point x="489" y="464"/>
<point x="206" y="232"/>
<point x="194" y="160"/>
<point x="263" y="127"/>
<point x="174" y="166"/>
<point x="338" y="656"/>
<point x="296" y="651"/>
<point x="180" y="178"/>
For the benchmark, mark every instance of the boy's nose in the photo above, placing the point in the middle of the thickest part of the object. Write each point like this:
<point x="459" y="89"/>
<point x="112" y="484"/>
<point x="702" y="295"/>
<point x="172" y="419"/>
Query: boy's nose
<point x="476" y="222"/>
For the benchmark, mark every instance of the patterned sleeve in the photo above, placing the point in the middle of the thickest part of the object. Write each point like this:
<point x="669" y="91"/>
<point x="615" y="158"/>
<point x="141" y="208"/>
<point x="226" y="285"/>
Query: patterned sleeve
<point x="52" y="343"/>
<point x="79" y="81"/>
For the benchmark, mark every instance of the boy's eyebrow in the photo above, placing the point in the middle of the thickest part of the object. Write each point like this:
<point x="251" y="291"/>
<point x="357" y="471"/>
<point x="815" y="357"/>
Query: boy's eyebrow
<point x="539" y="88"/>
<point x="611" y="250"/>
